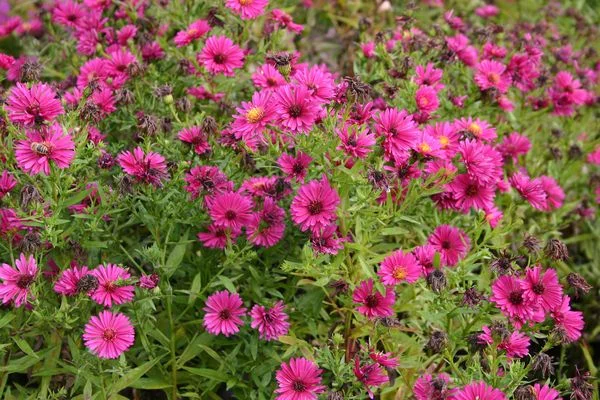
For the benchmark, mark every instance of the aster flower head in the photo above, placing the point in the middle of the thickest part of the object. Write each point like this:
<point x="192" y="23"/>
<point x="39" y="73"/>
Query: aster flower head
<point x="479" y="391"/>
<point x="221" y="56"/>
<point x="223" y="312"/>
<point x="429" y="76"/>
<point x="270" y="322"/>
<point x="16" y="281"/>
<point x="49" y="144"/>
<point x="356" y="142"/>
<point x="545" y="392"/>
<point x="468" y="192"/>
<point x="207" y="180"/>
<point x="491" y="74"/>
<point x="530" y="189"/>
<point x="230" y="210"/>
<point x="194" y="31"/>
<point x="554" y="193"/>
<point x="399" y="267"/>
<point x="400" y="131"/>
<point x="268" y="225"/>
<point x="428" y="387"/>
<point x="315" y="205"/>
<point x="568" y="321"/>
<point x="372" y="303"/>
<point x="475" y="129"/>
<point x="148" y="167"/>
<point x="7" y="183"/>
<point x="298" y="379"/>
<point x="268" y="77"/>
<point x="196" y="137"/>
<point x="482" y="162"/>
<point x="112" y="285"/>
<point x="426" y="99"/>
<point x="247" y="9"/>
<point x="217" y="237"/>
<point x="542" y="287"/>
<point x="33" y="106"/>
<point x="371" y="374"/>
<point x="252" y="117"/>
<point x="514" y="145"/>
<point x="108" y="335"/>
<point x="509" y="296"/>
<point x="296" y="111"/>
<point x="326" y="240"/>
<point x="296" y="167"/>
<point x="515" y="344"/>
<point x="317" y="80"/>
<point x="68" y="281"/>
<point x="451" y="242"/>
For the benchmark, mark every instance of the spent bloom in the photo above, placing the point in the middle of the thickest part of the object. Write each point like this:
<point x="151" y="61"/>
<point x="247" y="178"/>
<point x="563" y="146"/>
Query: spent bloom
<point x="223" y="312"/>
<point x="108" y="335"/>
<point x="16" y="281"/>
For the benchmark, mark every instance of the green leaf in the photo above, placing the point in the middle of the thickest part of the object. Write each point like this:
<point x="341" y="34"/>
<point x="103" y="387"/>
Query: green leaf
<point x="176" y="256"/>
<point x="132" y="376"/>
<point x="208" y="373"/>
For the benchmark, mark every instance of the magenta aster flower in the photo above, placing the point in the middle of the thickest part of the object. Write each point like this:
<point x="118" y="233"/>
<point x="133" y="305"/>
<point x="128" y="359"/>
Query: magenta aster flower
<point x="16" y="281"/>
<point x="247" y="9"/>
<point x="326" y="240"/>
<point x="7" y="183"/>
<point x="554" y="193"/>
<point x="267" y="226"/>
<point x="468" y="192"/>
<point x="509" y="296"/>
<point x="299" y="379"/>
<point x="196" y="137"/>
<point x="400" y="131"/>
<point x="68" y="280"/>
<point x="315" y="205"/>
<point x="516" y="345"/>
<point x="296" y="109"/>
<point x="514" y="145"/>
<point x="221" y="56"/>
<point x="479" y="391"/>
<point x="370" y="375"/>
<point x="194" y="31"/>
<point x="230" y="210"/>
<point x="428" y="387"/>
<point x="68" y="13"/>
<point x="149" y="281"/>
<point x="149" y="168"/>
<point x="373" y="304"/>
<point x="108" y="335"/>
<point x="490" y="74"/>
<point x="399" y="267"/>
<point x="545" y="392"/>
<point x="356" y="142"/>
<point x="223" y="312"/>
<point x="270" y="322"/>
<point x="112" y="287"/>
<point x="48" y="144"/>
<point x="33" y="106"/>
<point x="425" y="256"/>
<point x="426" y="99"/>
<point x="476" y="128"/>
<point x="567" y="320"/>
<point x="294" y="167"/>
<point x="253" y="116"/>
<point x="451" y="242"/>
<point x="542" y="287"/>
<point x="207" y="180"/>
<point x="317" y="80"/>
<point x="217" y="237"/>
<point x="482" y="162"/>
<point x="268" y="77"/>
<point x="429" y="76"/>
<point x="530" y="189"/>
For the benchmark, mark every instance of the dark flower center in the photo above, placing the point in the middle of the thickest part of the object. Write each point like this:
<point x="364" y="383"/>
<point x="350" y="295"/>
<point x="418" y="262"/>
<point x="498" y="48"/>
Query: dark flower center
<point x="298" y="168"/>
<point x="24" y="281"/>
<point x="224" y="315"/>
<point x="372" y="301"/>
<point x="295" y="110"/>
<point x="110" y="287"/>
<point x="230" y="215"/>
<point x="109" y="335"/>
<point x="33" y="109"/>
<point x="538" y="288"/>
<point x="471" y="190"/>
<point x="299" y="386"/>
<point x="446" y="245"/>
<point x="71" y="17"/>
<point x="315" y="207"/>
<point x="516" y="297"/>
<point x="219" y="58"/>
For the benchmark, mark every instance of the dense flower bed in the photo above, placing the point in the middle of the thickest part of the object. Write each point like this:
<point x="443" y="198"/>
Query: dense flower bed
<point x="295" y="200"/>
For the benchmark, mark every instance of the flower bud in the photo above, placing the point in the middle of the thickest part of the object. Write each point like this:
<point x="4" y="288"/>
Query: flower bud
<point x="436" y="280"/>
<point x="556" y="250"/>
<point x="578" y="283"/>
<point x="437" y="342"/>
<point x="542" y="364"/>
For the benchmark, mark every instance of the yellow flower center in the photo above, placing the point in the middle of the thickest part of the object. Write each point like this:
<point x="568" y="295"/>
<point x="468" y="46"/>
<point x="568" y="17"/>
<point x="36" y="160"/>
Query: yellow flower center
<point x="444" y="141"/>
<point x="192" y="32"/>
<point x="245" y="2"/>
<point x="494" y="78"/>
<point x="475" y="129"/>
<point x="255" y="114"/>
<point x="399" y="273"/>
<point x="423" y="101"/>
<point x="424" y="147"/>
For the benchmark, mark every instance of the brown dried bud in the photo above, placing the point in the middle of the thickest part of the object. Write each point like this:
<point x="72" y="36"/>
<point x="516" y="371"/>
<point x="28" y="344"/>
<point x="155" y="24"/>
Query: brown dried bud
<point x="339" y="286"/>
<point x="389" y="322"/>
<point x="472" y="297"/>
<point x="163" y="90"/>
<point x="209" y="126"/>
<point x="31" y="242"/>
<point x="436" y="280"/>
<point x="502" y="264"/>
<point x="578" y="283"/>
<point x="335" y="395"/>
<point x="106" y="160"/>
<point x="525" y="393"/>
<point x="437" y="342"/>
<point x="30" y="71"/>
<point x="531" y="243"/>
<point x="148" y="124"/>
<point x="29" y="194"/>
<point x="542" y="364"/>
<point x="556" y="250"/>
<point x="212" y="18"/>
<point x="183" y="104"/>
<point x="87" y="283"/>
<point x="575" y="152"/>
<point x="580" y="387"/>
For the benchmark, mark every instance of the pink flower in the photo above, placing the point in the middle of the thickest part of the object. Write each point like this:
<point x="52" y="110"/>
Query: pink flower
<point x="108" y="335"/>
<point x="253" y="116"/>
<point x="196" y="137"/>
<point x="194" y="31"/>
<point x="315" y="205"/>
<point x="230" y="210"/>
<point x="326" y="241"/>
<point x="299" y="379"/>
<point x="566" y="93"/>
<point x="428" y="387"/>
<point x="267" y="77"/>
<point x="356" y="142"/>
<point x="16" y="281"/>
<point x="223" y="312"/>
<point x="399" y="267"/>
<point x="426" y="99"/>
<point x="149" y="281"/>
<point x="451" y="242"/>
<point x="294" y="167"/>
<point x="68" y="13"/>
<point x="296" y="109"/>
<point x="514" y="145"/>
<point x="530" y="189"/>
<point x="384" y="359"/>
<point x="286" y="21"/>
<point x="7" y="183"/>
<point x="207" y="180"/>
<point x="425" y="256"/>
<point x="482" y="162"/>
<point x="516" y="345"/>
<point x="400" y="131"/>
<point x="148" y="168"/>
<point x="370" y="375"/>
<point x="554" y="193"/>
<point x="221" y="56"/>
<point x="429" y="76"/>
<point x="479" y="391"/>
<point x="368" y="49"/>
<point x="510" y="297"/>
<point x="217" y="237"/>
<point x="468" y="192"/>
<point x="567" y="320"/>
<point x="67" y="283"/>
<point x="247" y="9"/>
<point x="477" y="128"/>
<point x="372" y="303"/>
<point x="112" y="287"/>
<point x="271" y="323"/>
<point x="487" y="11"/>
<point x="545" y="392"/>
<point x="542" y="287"/>
<point x="49" y="143"/>
<point x="267" y="226"/>
<point x="490" y="74"/>
<point x="33" y="106"/>
<point x="317" y="80"/>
